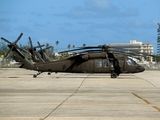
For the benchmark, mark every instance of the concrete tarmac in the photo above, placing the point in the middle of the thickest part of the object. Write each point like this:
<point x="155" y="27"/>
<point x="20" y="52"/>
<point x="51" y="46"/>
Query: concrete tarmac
<point x="67" y="96"/>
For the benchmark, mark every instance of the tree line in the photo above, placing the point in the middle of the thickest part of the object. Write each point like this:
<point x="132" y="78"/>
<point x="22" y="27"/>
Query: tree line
<point x="50" y="52"/>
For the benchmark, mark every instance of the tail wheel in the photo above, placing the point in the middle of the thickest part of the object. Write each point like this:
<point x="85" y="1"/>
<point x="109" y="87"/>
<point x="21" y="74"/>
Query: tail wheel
<point x="34" y="76"/>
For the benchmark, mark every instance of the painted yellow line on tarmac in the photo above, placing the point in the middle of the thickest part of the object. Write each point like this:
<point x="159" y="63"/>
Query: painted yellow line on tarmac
<point x="146" y="101"/>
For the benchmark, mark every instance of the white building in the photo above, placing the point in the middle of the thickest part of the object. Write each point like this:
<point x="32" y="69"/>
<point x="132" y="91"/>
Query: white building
<point x="137" y="47"/>
<point x="143" y="47"/>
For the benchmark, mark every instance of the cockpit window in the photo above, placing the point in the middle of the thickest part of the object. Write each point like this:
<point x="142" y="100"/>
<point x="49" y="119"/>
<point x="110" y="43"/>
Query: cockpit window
<point x="131" y="62"/>
<point x="98" y="63"/>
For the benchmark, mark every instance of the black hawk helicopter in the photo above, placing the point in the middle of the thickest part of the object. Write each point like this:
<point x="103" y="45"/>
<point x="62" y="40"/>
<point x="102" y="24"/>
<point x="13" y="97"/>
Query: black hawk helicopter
<point x="91" y="59"/>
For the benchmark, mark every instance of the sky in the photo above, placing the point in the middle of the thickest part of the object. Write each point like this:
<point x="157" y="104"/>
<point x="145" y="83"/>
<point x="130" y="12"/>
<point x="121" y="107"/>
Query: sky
<point x="78" y="22"/>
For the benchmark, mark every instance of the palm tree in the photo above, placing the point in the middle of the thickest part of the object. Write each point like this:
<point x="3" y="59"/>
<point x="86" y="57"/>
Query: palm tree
<point x="69" y="46"/>
<point x="84" y="45"/>
<point x="47" y="45"/>
<point x="57" y="42"/>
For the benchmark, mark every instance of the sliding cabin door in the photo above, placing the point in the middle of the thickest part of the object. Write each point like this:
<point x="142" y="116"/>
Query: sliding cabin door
<point x="102" y="66"/>
<point x="87" y="67"/>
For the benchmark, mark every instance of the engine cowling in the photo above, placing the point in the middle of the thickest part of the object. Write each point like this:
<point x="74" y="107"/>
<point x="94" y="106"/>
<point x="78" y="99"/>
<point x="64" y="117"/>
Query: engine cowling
<point x="93" y="56"/>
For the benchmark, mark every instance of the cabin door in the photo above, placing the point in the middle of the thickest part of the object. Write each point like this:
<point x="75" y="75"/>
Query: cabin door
<point x="87" y="67"/>
<point x="101" y="66"/>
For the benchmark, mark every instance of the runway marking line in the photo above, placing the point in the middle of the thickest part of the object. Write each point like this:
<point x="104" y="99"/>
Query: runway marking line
<point x="146" y="101"/>
<point x="157" y="108"/>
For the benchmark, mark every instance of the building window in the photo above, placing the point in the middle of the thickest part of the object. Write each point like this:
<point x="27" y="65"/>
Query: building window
<point x="98" y="63"/>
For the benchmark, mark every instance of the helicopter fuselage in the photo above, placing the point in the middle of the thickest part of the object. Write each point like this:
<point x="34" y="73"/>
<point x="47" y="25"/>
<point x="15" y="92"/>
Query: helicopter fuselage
<point x="89" y="66"/>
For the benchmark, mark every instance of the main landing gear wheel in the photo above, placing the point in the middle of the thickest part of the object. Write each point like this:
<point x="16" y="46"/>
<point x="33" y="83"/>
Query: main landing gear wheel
<point x="113" y="75"/>
<point x="34" y="76"/>
<point x="49" y="73"/>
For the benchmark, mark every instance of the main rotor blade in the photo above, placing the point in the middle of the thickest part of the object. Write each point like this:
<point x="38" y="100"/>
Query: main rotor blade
<point x="18" y="38"/>
<point x="39" y="45"/>
<point x="47" y="48"/>
<point x="22" y="50"/>
<point x="7" y="53"/>
<point x="100" y="47"/>
<point x="30" y="42"/>
<point x="129" y="52"/>
<point x="6" y="40"/>
<point x="89" y="51"/>
<point x="32" y="47"/>
<point x="81" y="48"/>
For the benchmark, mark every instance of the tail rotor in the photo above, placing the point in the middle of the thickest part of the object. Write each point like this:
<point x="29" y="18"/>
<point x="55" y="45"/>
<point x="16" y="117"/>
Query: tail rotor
<point x="12" y="45"/>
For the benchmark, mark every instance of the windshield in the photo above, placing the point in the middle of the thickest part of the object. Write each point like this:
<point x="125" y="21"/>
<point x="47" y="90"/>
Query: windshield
<point x="131" y="62"/>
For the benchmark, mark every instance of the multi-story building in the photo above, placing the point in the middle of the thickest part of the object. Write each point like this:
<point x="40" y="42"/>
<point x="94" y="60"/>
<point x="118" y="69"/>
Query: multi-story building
<point x="158" y="40"/>
<point x="136" y="47"/>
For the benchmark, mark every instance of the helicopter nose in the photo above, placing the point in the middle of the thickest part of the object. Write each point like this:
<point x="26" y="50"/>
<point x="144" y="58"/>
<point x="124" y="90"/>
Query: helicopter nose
<point x="141" y="69"/>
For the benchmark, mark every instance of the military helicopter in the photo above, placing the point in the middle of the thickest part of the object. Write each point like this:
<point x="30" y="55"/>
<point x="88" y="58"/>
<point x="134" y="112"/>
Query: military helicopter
<point x="91" y="59"/>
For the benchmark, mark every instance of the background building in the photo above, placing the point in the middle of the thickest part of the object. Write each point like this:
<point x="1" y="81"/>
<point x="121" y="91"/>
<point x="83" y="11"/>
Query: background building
<point x="158" y="39"/>
<point x="137" y="47"/>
